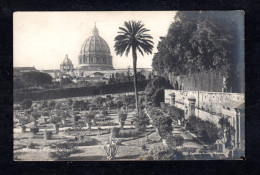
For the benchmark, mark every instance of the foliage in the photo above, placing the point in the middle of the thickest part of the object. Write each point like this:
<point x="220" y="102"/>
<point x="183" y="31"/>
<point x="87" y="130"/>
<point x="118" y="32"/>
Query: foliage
<point x="34" y="130"/>
<point x="52" y="103"/>
<point x="198" y="41"/>
<point x="179" y="140"/>
<point x="127" y="133"/>
<point x="80" y="105"/>
<point x="78" y="92"/>
<point x="206" y="129"/>
<point x="35" y="78"/>
<point x="133" y="36"/>
<point x="31" y="145"/>
<point x="26" y="104"/>
<point x="175" y="113"/>
<point x="115" y="131"/>
<point x="98" y="101"/>
<point x="70" y="102"/>
<point x="164" y="153"/>
<point x="141" y="122"/>
<point x="65" y="81"/>
<point x="154" y="90"/>
<point x="227" y="129"/>
<point x="44" y="104"/>
<point x="161" y="121"/>
<point x="111" y="148"/>
<point x="104" y="112"/>
<point x="47" y="134"/>
<point x="61" y="150"/>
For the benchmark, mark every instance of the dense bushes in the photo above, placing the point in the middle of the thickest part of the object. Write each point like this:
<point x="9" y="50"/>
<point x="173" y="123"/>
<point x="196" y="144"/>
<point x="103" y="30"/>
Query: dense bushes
<point x="175" y="113"/>
<point x="80" y="104"/>
<point x="164" y="153"/>
<point x="78" y="92"/>
<point x="61" y="150"/>
<point x="161" y="121"/>
<point x="154" y="90"/>
<point x="206" y="129"/>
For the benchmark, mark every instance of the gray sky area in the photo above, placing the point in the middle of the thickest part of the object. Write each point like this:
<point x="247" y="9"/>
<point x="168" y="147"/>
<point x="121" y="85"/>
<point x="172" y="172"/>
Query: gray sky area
<point x="43" y="39"/>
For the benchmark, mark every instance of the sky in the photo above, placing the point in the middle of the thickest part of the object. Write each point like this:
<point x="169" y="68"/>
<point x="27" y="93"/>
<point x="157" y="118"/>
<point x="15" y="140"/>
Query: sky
<point x="42" y="39"/>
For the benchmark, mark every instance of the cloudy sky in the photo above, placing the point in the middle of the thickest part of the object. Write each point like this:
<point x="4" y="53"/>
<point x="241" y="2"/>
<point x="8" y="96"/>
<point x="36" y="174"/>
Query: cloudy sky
<point x="42" y="39"/>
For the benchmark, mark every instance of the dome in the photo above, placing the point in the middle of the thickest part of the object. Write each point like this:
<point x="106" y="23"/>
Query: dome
<point x="95" y="44"/>
<point x="67" y="61"/>
<point x="66" y="65"/>
<point x="95" y="53"/>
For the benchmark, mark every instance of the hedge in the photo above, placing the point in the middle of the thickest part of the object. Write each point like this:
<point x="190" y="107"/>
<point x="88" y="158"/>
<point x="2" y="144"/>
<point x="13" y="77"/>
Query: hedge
<point x="78" y="92"/>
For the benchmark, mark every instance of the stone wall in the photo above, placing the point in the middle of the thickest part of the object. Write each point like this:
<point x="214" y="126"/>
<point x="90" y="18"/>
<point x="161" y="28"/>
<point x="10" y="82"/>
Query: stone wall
<point x="204" y="81"/>
<point x="208" y="105"/>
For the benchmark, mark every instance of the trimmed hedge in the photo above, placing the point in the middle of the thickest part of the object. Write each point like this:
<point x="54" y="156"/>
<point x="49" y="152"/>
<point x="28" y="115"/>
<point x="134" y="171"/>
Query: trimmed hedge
<point x="206" y="129"/>
<point x="78" y="92"/>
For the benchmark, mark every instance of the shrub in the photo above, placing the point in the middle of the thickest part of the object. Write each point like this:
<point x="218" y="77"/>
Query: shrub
<point x="70" y="102"/>
<point x="52" y="103"/>
<point x="34" y="130"/>
<point x="98" y="101"/>
<point x="115" y="131"/>
<point x="141" y="122"/>
<point x="26" y="104"/>
<point x="104" y="112"/>
<point x="206" y="129"/>
<point x="76" y="118"/>
<point x="154" y="90"/>
<point x="164" y="153"/>
<point x="31" y="145"/>
<point x="179" y="140"/>
<point x="61" y="150"/>
<point x="161" y="121"/>
<point x="47" y="135"/>
<point x="80" y="104"/>
<point x="175" y="113"/>
<point x="128" y="133"/>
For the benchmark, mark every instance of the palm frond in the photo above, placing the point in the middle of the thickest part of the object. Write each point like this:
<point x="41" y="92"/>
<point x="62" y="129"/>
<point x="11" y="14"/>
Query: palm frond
<point x="133" y="35"/>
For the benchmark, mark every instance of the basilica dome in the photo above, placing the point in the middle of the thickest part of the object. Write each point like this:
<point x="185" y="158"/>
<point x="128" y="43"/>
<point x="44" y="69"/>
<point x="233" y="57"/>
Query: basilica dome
<point x="95" y="53"/>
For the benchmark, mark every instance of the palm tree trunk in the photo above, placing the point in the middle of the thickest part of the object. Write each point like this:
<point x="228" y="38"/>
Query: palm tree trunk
<point x="135" y="79"/>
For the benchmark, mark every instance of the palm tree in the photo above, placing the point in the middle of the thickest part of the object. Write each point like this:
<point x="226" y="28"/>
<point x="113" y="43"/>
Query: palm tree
<point x="133" y="36"/>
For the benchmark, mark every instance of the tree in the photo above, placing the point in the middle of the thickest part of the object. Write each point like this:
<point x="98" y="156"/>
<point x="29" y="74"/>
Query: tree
<point x="36" y="78"/>
<point x="202" y="41"/>
<point x="141" y="122"/>
<point x="154" y="90"/>
<point x="133" y="36"/>
<point x="65" y="81"/>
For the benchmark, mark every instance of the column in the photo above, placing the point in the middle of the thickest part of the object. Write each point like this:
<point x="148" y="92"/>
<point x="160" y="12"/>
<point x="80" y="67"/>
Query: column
<point x="191" y="106"/>
<point x="172" y="99"/>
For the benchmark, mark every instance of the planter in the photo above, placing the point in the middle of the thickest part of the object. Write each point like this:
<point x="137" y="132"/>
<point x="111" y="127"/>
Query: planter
<point x="34" y="130"/>
<point x="23" y="128"/>
<point x="56" y="127"/>
<point x="47" y="135"/>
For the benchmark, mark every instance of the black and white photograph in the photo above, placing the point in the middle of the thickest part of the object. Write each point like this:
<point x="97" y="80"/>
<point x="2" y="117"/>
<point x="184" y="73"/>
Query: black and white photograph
<point x="128" y="85"/>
